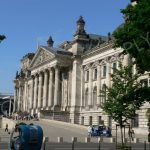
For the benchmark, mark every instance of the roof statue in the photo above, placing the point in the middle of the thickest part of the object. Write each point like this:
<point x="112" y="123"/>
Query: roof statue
<point x="50" y="42"/>
<point x="109" y="37"/>
<point x="80" y="26"/>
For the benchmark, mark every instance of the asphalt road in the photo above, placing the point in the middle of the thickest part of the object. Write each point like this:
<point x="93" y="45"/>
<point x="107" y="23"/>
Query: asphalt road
<point x="53" y="130"/>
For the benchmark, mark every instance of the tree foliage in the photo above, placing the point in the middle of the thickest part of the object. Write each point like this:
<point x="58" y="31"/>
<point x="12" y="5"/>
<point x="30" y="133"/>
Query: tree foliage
<point x="2" y="37"/>
<point x="134" y="35"/>
<point x="125" y="96"/>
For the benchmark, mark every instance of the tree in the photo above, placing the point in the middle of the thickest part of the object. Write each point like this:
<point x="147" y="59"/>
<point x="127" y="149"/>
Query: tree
<point x="2" y="37"/>
<point x="125" y="96"/>
<point x="134" y="35"/>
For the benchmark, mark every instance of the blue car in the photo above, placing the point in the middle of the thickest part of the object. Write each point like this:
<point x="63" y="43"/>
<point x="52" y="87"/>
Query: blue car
<point x="100" y="130"/>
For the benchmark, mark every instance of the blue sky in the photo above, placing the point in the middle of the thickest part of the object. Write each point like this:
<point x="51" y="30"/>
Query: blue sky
<point x="28" y="22"/>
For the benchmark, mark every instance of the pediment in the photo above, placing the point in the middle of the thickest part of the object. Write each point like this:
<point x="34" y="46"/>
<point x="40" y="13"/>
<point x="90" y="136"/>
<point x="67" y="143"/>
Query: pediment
<point x="41" y="57"/>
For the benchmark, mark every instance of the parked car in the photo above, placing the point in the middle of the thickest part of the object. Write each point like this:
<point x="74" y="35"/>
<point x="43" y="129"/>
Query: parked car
<point x="100" y="130"/>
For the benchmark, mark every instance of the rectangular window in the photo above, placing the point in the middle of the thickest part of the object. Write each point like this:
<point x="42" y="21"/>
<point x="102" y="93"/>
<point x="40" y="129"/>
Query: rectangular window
<point x="86" y="75"/>
<point x="114" y="66"/>
<point x="104" y="71"/>
<point x="82" y="120"/>
<point x="135" y="121"/>
<point x="90" y="120"/>
<point x="95" y="74"/>
<point x="99" y="120"/>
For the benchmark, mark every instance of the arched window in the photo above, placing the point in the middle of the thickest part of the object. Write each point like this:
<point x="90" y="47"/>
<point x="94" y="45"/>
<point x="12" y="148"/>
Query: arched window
<point x="86" y="76"/>
<point x="103" y="99"/>
<point x="95" y="74"/>
<point x="86" y="97"/>
<point x="95" y="96"/>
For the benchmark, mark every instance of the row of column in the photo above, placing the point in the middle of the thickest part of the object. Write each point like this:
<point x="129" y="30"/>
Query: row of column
<point x="45" y="89"/>
<point x="99" y="82"/>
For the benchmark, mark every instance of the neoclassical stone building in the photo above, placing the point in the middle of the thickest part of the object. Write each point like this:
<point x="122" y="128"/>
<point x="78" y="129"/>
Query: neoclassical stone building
<point x="64" y="83"/>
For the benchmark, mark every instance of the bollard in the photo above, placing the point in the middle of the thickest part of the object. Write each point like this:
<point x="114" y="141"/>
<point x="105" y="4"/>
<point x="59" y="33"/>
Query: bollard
<point x="45" y="139"/>
<point x="144" y="145"/>
<point x="72" y="145"/>
<point x="99" y="145"/>
<point x="74" y="139"/>
<point x="87" y="139"/>
<point x="100" y="139"/>
<point x="60" y="139"/>
<point x="112" y="140"/>
<point x="136" y="140"/>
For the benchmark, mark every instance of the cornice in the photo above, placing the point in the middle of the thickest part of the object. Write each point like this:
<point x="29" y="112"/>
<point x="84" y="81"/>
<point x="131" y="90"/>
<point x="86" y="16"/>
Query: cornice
<point x="99" y="49"/>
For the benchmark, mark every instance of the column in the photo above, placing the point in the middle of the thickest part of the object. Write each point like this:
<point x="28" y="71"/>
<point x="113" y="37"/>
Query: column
<point x="90" y="87"/>
<point x="40" y="90"/>
<point x="24" y="96"/>
<point x="45" y="88"/>
<point x="98" y="85"/>
<point x="126" y="60"/>
<point x="35" y="92"/>
<point x="19" y="97"/>
<point x="31" y="94"/>
<point x="15" y="99"/>
<point x="56" y="92"/>
<point x="108" y="75"/>
<point x="50" y="95"/>
<point x="82" y="86"/>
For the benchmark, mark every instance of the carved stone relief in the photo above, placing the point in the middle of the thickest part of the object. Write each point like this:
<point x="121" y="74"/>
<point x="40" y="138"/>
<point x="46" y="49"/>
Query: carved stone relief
<point x="42" y="57"/>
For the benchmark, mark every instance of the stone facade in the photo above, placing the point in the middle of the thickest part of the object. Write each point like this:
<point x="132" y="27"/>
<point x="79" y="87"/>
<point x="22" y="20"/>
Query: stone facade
<point x="63" y="83"/>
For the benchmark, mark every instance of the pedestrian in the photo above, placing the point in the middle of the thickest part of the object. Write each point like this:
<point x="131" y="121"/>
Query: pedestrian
<point x="89" y="130"/>
<point x="6" y="129"/>
<point x="131" y="133"/>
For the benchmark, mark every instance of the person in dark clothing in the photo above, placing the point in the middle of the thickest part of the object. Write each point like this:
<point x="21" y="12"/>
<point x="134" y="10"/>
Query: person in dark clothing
<point x="6" y="129"/>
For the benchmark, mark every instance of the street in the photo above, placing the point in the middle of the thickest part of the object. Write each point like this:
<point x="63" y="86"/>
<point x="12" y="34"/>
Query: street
<point x="54" y="129"/>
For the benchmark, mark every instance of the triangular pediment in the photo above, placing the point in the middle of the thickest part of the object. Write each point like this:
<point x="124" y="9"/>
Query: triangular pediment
<point x="41" y="57"/>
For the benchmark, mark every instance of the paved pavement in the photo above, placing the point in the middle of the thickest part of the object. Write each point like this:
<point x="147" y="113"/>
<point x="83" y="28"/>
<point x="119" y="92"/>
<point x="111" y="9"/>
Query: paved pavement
<point x="90" y="146"/>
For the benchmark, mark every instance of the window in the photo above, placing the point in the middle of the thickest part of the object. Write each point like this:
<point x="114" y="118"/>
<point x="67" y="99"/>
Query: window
<point x="135" y="121"/>
<point x="104" y="71"/>
<point x="86" y="97"/>
<point x="90" y="120"/>
<point x="103" y="99"/>
<point x="82" y="120"/>
<point x="114" y="67"/>
<point x="99" y="119"/>
<point x="95" y="96"/>
<point x="86" y="75"/>
<point x="95" y="74"/>
<point x="109" y="121"/>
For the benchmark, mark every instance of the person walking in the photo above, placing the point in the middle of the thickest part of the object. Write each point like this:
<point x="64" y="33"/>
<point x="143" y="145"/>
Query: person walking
<point x="6" y="129"/>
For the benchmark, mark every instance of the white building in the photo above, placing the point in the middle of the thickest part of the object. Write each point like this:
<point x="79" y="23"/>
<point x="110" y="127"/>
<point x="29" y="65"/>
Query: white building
<point x="63" y="83"/>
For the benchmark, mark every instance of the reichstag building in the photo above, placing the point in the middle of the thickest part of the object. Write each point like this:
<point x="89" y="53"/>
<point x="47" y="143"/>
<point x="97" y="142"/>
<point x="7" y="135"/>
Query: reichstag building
<point x="64" y="83"/>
